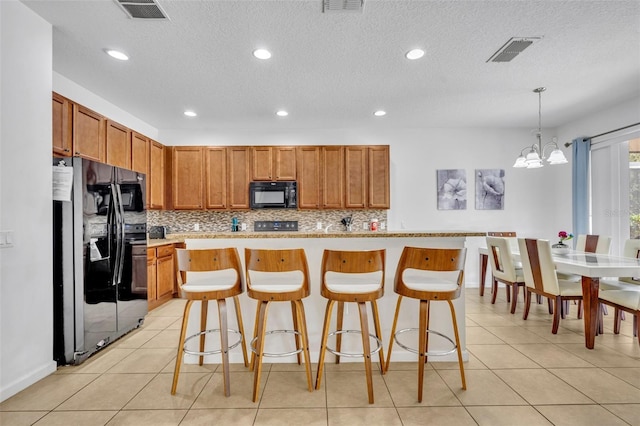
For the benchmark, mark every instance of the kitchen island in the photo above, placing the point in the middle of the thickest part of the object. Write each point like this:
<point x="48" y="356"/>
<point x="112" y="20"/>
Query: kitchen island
<point x="314" y="243"/>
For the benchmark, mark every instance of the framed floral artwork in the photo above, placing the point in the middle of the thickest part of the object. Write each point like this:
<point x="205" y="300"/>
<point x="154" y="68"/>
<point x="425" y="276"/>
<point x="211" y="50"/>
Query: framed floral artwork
<point x="489" y="189"/>
<point x="452" y="189"/>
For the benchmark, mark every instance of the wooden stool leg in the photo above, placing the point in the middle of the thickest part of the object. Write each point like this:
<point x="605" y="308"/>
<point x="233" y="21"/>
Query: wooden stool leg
<point x="366" y="347"/>
<point x="180" y="354"/>
<point x="236" y="304"/>
<point x="224" y="344"/>
<point x="296" y="328"/>
<point x="422" y="344"/>
<point x="204" y="307"/>
<point x="339" y="323"/>
<point x="376" y="324"/>
<point x="459" y="349"/>
<point x="302" y="320"/>
<point x="255" y="334"/>
<point x="260" y="332"/>
<point x="393" y="332"/>
<point x="323" y="342"/>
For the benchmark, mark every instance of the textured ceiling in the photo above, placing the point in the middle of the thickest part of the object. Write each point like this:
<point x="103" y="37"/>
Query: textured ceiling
<point x="333" y="70"/>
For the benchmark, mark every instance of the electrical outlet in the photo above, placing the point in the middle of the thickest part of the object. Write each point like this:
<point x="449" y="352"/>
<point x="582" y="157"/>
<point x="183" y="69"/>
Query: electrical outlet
<point x="196" y="227"/>
<point x="319" y="225"/>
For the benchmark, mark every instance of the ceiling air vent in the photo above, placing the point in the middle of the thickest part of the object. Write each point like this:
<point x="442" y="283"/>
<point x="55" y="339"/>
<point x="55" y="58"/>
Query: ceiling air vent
<point x="333" y="6"/>
<point x="142" y="9"/>
<point x="512" y="48"/>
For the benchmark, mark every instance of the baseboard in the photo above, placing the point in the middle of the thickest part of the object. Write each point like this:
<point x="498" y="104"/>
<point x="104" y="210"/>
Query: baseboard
<point x="27" y="380"/>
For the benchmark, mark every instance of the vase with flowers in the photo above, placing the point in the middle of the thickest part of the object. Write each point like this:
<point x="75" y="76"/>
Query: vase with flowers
<point x="561" y="247"/>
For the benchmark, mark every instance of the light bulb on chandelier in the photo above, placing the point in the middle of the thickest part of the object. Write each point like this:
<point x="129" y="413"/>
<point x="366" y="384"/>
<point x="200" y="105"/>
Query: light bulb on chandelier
<point x="536" y="152"/>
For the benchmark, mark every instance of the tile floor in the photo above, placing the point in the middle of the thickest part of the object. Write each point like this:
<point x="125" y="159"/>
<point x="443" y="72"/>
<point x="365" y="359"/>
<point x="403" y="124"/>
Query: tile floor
<point x="518" y="374"/>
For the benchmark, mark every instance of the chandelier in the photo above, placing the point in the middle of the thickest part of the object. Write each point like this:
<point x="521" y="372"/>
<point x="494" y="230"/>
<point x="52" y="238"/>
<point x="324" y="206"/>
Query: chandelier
<point x="536" y="154"/>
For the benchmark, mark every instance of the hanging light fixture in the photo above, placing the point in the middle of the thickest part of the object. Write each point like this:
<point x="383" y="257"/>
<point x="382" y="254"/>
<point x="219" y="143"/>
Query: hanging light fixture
<point x="536" y="152"/>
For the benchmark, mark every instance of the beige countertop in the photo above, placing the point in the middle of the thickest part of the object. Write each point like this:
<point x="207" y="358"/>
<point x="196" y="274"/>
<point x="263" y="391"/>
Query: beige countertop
<point x="180" y="237"/>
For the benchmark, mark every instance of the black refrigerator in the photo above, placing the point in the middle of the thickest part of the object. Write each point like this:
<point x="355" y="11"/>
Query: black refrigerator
<point x="100" y="257"/>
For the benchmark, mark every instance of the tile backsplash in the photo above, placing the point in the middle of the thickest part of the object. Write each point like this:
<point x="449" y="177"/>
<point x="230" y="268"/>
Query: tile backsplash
<point x="178" y="221"/>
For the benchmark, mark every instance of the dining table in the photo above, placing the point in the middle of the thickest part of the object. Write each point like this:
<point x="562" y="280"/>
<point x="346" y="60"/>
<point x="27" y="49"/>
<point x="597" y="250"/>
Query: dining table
<point x="592" y="267"/>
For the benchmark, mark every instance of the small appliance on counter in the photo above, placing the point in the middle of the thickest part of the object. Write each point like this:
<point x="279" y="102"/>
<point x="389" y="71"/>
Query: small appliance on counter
<point x="157" y="232"/>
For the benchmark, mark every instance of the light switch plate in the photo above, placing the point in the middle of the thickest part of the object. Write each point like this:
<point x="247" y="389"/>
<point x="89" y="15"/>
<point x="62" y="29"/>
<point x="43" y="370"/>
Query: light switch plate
<point x="6" y="239"/>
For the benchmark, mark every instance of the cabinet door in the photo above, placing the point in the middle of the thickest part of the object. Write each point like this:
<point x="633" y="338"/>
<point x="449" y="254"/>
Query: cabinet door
<point x="261" y="163"/>
<point x="308" y="177"/>
<point x="238" y="172"/>
<point x="379" y="192"/>
<point x="188" y="175"/>
<point x="62" y="125"/>
<point x="152" y="282"/>
<point x="166" y="275"/>
<point x="332" y="177"/>
<point x="155" y="179"/>
<point x="284" y="162"/>
<point x="216" y="177"/>
<point x="139" y="153"/>
<point x="355" y="177"/>
<point x="139" y="281"/>
<point x="88" y="133"/>
<point x="118" y="145"/>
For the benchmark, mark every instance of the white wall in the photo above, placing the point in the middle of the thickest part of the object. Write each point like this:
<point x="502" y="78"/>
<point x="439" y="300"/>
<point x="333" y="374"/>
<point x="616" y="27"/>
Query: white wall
<point x="25" y="198"/>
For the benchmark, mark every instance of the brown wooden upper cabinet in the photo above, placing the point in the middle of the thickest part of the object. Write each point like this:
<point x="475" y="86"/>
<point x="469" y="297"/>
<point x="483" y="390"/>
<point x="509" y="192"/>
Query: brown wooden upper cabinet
<point x="309" y="168"/>
<point x="367" y="177"/>
<point x="332" y="177"/>
<point x="238" y="173"/>
<point x="216" y="182"/>
<point x="139" y="153"/>
<point x="355" y="177"/>
<point x="62" y="125"/>
<point x="187" y="177"/>
<point x="118" y="145"/>
<point x="155" y="178"/>
<point x="273" y="163"/>
<point x="88" y="133"/>
<point x="378" y="177"/>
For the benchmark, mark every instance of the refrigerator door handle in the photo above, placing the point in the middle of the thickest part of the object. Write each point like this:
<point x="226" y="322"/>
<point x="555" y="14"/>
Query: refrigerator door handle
<point x="121" y="236"/>
<point x="117" y="237"/>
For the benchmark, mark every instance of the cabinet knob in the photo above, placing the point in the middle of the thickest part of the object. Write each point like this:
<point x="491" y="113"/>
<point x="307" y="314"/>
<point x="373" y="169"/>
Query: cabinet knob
<point x="66" y="150"/>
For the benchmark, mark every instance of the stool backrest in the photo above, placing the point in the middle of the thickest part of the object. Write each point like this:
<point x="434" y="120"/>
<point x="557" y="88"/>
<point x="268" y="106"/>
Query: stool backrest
<point x="537" y="265"/>
<point x="593" y="243"/>
<point x="430" y="259"/>
<point x="267" y="261"/>
<point x="365" y="264"/>
<point x="501" y="259"/>
<point x="209" y="260"/>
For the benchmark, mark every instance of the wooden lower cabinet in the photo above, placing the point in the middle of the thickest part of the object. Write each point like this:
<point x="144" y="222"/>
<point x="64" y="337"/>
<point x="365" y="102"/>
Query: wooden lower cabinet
<point x="161" y="274"/>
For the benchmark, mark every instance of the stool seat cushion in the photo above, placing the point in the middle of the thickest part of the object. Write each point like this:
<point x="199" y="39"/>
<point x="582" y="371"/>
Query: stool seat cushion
<point x="420" y="280"/>
<point x="210" y="281"/>
<point x="276" y="282"/>
<point x="353" y="283"/>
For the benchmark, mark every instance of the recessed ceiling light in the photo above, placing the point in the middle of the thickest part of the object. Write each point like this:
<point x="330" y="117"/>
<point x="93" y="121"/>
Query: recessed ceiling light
<point x="380" y="113"/>
<point x="282" y="113"/>
<point x="262" y="53"/>
<point x="190" y="113"/>
<point x="414" y="54"/>
<point x="117" y="54"/>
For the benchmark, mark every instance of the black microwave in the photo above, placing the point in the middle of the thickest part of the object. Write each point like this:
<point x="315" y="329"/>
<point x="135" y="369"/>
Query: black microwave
<point x="273" y="195"/>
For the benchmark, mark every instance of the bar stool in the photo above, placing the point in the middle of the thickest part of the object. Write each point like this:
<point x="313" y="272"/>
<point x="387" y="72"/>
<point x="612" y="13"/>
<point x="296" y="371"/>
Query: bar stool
<point x="352" y="276"/>
<point x="211" y="274"/>
<point x="280" y="275"/>
<point x="429" y="275"/>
